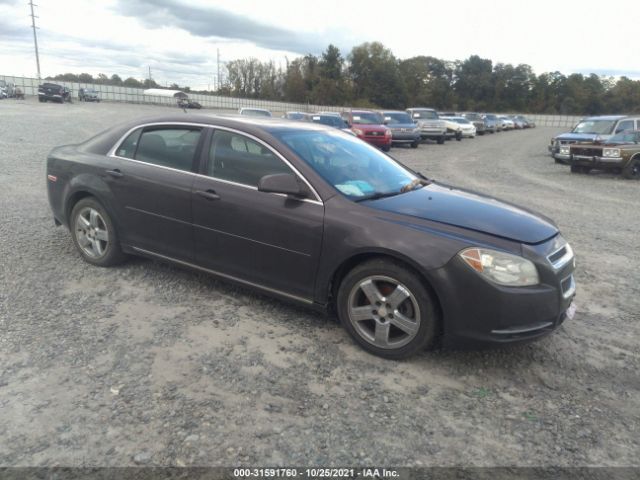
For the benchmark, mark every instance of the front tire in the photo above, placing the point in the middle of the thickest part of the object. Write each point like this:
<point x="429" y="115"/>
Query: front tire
<point x="632" y="170"/>
<point x="94" y="234"/>
<point x="441" y="140"/>
<point x="386" y="148"/>
<point x="387" y="309"/>
<point x="415" y="144"/>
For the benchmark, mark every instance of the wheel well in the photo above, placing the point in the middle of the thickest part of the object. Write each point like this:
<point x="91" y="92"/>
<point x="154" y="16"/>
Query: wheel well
<point x="356" y="260"/>
<point x="71" y="202"/>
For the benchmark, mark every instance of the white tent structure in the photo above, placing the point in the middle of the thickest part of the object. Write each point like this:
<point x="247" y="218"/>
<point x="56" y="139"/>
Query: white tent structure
<point x="161" y="92"/>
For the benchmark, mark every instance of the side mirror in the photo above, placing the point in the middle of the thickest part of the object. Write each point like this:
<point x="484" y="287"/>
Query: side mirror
<point x="285" y="183"/>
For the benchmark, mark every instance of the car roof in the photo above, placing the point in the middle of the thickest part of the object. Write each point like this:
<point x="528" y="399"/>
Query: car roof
<point x="606" y="117"/>
<point x="244" y="123"/>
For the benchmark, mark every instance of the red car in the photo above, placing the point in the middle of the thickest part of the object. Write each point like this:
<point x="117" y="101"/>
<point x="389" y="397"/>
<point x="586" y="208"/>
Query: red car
<point x="369" y="126"/>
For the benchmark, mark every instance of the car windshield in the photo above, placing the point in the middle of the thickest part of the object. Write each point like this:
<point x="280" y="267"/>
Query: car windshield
<point x="472" y="116"/>
<point x="625" y="137"/>
<point x="491" y="117"/>
<point x="295" y="116"/>
<point x="600" y="127"/>
<point x="356" y="169"/>
<point x="397" y="118"/>
<point x="460" y="120"/>
<point x="425" y="114"/>
<point x="368" y="118"/>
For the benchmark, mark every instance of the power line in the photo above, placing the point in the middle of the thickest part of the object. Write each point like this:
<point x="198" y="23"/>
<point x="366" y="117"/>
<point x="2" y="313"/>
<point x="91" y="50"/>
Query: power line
<point x="35" y="36"/>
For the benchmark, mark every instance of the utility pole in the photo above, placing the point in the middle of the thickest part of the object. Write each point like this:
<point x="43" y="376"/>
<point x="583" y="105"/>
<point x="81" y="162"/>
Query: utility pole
<point x="150" y="73"/>
<point x="218" y="65"/>
<point x="35" y="36"/>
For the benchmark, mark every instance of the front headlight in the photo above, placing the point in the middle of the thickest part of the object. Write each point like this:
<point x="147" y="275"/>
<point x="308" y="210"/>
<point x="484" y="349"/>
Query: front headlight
<point x="416" y="130"/>
<point x="501" y="267"/>
<point x="565" y="150"/>
<point x="611" y="152"/>
<point x="358" y="132"/>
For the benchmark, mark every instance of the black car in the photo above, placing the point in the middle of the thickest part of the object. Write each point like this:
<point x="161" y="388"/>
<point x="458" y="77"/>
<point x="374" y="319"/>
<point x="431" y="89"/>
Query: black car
<point x="188" y="103"/>
<point x="313" y="215"/>
<point x="53" y="92"/>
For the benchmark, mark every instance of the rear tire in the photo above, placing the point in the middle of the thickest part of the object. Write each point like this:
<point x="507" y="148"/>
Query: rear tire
<point x="387" y="309"/>
<point x="94" y="234"/>
<point x="415" y="144"/>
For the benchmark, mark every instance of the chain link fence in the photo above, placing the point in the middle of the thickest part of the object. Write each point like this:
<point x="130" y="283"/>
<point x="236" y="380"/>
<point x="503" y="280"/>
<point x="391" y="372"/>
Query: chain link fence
<point x="112" y="93"/>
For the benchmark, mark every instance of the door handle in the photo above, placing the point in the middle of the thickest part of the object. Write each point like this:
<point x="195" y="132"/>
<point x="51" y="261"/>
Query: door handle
<point x="115" y="173"/>
<point x="208" y="194"/>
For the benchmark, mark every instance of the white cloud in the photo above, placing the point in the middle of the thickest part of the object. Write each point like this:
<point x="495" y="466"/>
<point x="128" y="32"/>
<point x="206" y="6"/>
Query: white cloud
<point x="81" y="36"/>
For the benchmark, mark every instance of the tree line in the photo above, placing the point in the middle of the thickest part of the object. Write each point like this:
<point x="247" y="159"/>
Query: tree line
<point x="371" y="76"/>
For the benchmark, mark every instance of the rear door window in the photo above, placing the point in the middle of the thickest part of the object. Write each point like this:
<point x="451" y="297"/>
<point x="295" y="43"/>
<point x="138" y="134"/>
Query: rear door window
<point x="172" y="147"/>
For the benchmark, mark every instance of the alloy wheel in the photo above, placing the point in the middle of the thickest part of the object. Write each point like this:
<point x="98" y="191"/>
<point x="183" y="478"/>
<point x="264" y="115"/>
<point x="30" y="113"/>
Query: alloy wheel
<point x="384" y="312"/>
<point x="91" y="233"/>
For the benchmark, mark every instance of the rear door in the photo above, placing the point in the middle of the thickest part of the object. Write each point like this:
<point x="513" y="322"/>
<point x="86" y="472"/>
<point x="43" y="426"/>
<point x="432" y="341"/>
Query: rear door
<point x="152" y="187"/>
<point x="263" y="238"/>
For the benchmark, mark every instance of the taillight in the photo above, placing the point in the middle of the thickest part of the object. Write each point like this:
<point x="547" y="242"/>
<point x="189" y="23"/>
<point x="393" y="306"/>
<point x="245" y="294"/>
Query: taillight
<point x="52" y="178"/>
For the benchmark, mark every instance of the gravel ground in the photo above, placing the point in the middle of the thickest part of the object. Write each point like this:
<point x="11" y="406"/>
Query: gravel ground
<point x="151" y="364"/>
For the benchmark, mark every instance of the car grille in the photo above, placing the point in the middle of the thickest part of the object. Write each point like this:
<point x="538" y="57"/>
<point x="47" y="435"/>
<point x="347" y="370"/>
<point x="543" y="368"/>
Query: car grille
<point x="565" y="142"/>
<point x="588" y="152"/>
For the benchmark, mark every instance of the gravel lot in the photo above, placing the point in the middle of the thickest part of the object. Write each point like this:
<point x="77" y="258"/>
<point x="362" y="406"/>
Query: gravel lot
<point x="151" y="364"/>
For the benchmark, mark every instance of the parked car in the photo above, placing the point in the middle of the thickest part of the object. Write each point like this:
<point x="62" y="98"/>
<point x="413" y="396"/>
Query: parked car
<point x="295" y="115"/>
<point x="255" y="112"/>
<point x="467" y="128"/>
<point x="18" y="94"/>
<point x="53" y="92"/>
<point x="188" y="103"/>
<point x="429" y="123"/>
<point x="88" y="95"/>
<point x="403" y="130"/>
<point x="620" y="153"/>
<point x="454" y="130"/>
<point x="7" y="89"/>
<point x="320" y="219"/>
<point x="369" y="126"/>
<point x="491" y="123"/>
<point x="518" y="122"/>
<point x="330" y="120"/>
<point x="588" y="130"/>
<point x="477" y="121"/>
<point x="525" y="121"/>
<point x="507" y="122"/>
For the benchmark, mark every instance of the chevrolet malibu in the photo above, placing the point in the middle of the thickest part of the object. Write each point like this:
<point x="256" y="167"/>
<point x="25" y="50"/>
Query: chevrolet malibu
<point x="312" y="215"/>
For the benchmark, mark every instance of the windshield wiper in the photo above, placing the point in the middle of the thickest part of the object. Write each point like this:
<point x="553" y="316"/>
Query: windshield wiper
<point x="377" y="195"/>
<point x="414" y="183"/>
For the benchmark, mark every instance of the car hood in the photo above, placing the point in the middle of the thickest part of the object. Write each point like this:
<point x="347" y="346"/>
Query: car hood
<point x="579" y="137"/>
<point x="466" y="209"/>
<point x="402" y="125"/>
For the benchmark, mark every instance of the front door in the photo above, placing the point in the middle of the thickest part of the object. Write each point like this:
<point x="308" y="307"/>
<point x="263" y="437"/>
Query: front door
<point x="267" y="239"/>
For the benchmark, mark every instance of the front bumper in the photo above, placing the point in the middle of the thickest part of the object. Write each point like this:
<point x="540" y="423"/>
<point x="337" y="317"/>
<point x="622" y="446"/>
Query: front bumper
<point x="596" y="162"/>
<point x="405" y="137"/>
<point x="379" y="141"/>
<point x="477" y="311"/>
